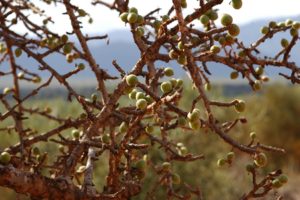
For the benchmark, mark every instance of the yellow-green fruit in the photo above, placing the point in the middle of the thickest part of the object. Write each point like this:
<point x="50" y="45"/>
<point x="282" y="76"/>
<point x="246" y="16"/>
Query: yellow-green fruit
<point x="256" y="85"/>
<point x="260" y="160"/>
<point x="276" y="183"/>
<point x="240" y="106"/>
<point x="195" y="40"/>
<point x="173" y="54"/>
<point x="250" y="167"/>
<point x="296" y="25"/>
<point x="272" y="24"/>
<point x="81" y="66"/>
<point x="242" y="53"/>
<point x="222" y="41"/>
<point x="195" y="125"/>
<point x="259" y="70"/>
<point x="166" y="87"/>
<point x="64" y="38"/>
<point x="176" y="179"/>
<point x="165" y="18"/>
<point x="213" y="15"/>
<point x="156" y="24"/>
<point x="237" y="4"/>
<point x="264" y="30"/>
<point x="6" y="90"/>
<point x="179" y="83"/>
<point x="61" y="148"/>
<point x="81" y="13"/>
<point x="36" y="151"/>
<point x="133" y="10"/>
<point x="5" y="158"/>
<point x="180" y="45"/>
<point x="36" y="79"/>
<point x="69" y="58"/>
<point x="204" y="19"/>
<point x="140" y="31"/>
<point x="230" y="155"/>
<point x="123" y="127"/>
<point x="21" y="75"/>
<point x="221" y="162"/>
<point x="168" y="71"/>
<point x="48" y="110"/>
<point x="173" y="81"/>
<point x="132" y="18"/>
<point x="140" y="164"/>
<point x="132" y="94"/>
<point x="140" y="19"/>
<point x="194" y="115"/>
<point x="140" y="95"/>
<point x="141" y="104"/>
<point x="215" y="49"/>
<point x="183" y="151"/>
<point x="226" y="20"/>
<point x="124" y="16"/>
<point x="94" y="97"/>
<point x="67" y="48"/>
<point x="149" y="129"/>
<point x="166" y="166"/>
<point x="183" y="4"/>
<point x="181" y="121"/>
<point x="229" y="39"/>
<point x="131" y="80"/>
<point x="252" y="135"/>
<point x="18" y="52"/>
<point x="76" y="134"/>
<point x="234" y="30"/>
<point x="288" y="22"/>
<point x="105" y="138"/>
<point x="283" y="179"/>
<point x="294" y="32"/>
<point x="182" y="60"/>
<point x="284" y="43"/>
<point x="234" y="75"/>
<point x="207" y="86"/>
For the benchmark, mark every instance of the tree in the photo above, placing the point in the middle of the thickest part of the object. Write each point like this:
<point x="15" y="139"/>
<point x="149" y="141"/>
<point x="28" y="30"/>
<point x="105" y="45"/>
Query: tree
<point x="125" y="132"/>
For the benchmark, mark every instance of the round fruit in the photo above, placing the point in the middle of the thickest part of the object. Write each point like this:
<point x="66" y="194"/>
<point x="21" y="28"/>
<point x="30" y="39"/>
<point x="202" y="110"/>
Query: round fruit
<point x="215" y="49"/>
<point x="166" y="166"/>
<point x="81" y="66"/>
<point x="180" y="45"/>
<point x="296" y="25"/>
<point x="6" y="90"/>
<point x="240" y="106"/>
<point x="234" y="75"/>
<point x="230" y="155"/>
<point x="261" y="160"/>
<point x="236" y="4"/>
<point x="5" y="158"/>
<point x="140" y="164"/>
<point x="133" y="10"/>
<point x="176" y="179"/>
<point x="181" y="121"/>
<point x="67" y="48"/>
<point x="179" y="82"/>
<point x="123" y="127"/>
<point x="264" y="30"/>
<point x="182" y="60"/>
<point x="173" y="54"/>
<point x="272" y="24"/>
<point x="132" y="18"/>
<point x="76" y="134"/>
<point x="221" y="162"/>
<point x="81" y="13"/>
<point x="173" y="81"/>
<point x="222" y="41"/>
<point x="140" y="95"/>
<point x="234" y="30"/>
<point x="284" y="43"/>
<point x="18" y="52"/>
<point x="168" y="71"/>
<point x="64" y="38"/>
<point x="283" y="179"/>
<point x="259" y="70"/>
<point x="183" y="151"/>
<point x="207" y="86"/>
<point x="105" y="138"/>
<point x="256" y="85"/>
<point x="288" y="22"/>
<point x="165" y="18"/>
<point x="195" y="125"/>
<point x="36" y="79"/>
<point x="141" y="104"/>
<point x="94" y="97"/>
<point x="140" y="31"/>
<point x="132" y="94"/>
<point x="226" y="20"/>
<point x="213" y="15"/>
<point x="294" y="32"/>
<point x="194" y="115"/>
<point x="183" y="4"/>
<point x="252" y="135"/>
<point x="131" y="80"/>
<point x="124" y="16"/>
<point x="166" y="87"/>
<point x="204" y="19"/>
<point x="149" y="129"/>
<point x="276" y="183"/>
<point x="36" y="151"/>
<point x="156" y="24"/>
<point x="140" y="19"/>
<point x="21" y="75"/>
<point x="242" y="54"/>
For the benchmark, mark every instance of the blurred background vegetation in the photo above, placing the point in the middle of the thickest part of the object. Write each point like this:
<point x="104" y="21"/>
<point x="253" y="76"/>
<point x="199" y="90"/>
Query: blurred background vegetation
<point x="272" y="113"/>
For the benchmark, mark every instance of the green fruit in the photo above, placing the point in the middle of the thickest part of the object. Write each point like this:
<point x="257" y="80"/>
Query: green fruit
<point x="226" y="20"/>
<point x="166" y="166"/>
<point x="240" y="106"/>
<point x="182" y="60"/>
<point x="149" y="129"/>
<point x="256" y="85"/>
<point x="61" y="148"/>
<point x="264" y="78"/>
<point x="140" y="19"/>
<point x="5" y="158"/>
<point x="173" y="54"/>
<point x="133" y="10"/>
<point x="181" y="121"/>
<point x="180" y="45"/>
<point x="234" y="75"/>
<point x="229" y="39"/>
<point x="132" y="94"/>
<point x="36" y="79"/>
<point x="141" y="104"/>
<point x="21" y="75"/>
<point x="166" y="87"/>
<point x="221" y="162"/>
<point x="47" y="110"/>
<point x="194" y="115"/>
<point x="183" y="4"/>
<point x="123" y="127"/>
<point x="252" y="135"/>
<point x="272" y="24"/>
<point x="64" y="38"/>
<point x="67" y="48"/>
<point x="260" y="160"/>
<point x="236" y="4"/>
<point x="6" y="90"/>
<point x="179" y="82"/>
<point x="195" y="40"/>
<point x="204" y="19"/>
<point x="176" y="179"/>
<point x="140" y="95"/>
<point x="284" y="43"/>
<point x="105" y="138"/>
<point x="173" y="81"/>
<point x="288" y="22"/>
<point x="259" y="70"/>
<point x="234" y="30"/>
<point x="276" y="183"/>
<point x="165" y="18"/>
<point x="168" y="71"/>
<point x="264" y="30"/>
<point x="195" y="125"/>
<point x="36" y="151"/>
<point x="156" y="24"/>
<point x="296" y="25"/>
<point x="222" y="41"/>
<point x="81" y="13"/>
<point x="250" y="167"/>
<point x="242" y="54"/>
<point x="131" y="80"/>
<point x="140" y="165"/>
<point x="213" y="15"/>
<point x="294" y="32"/>
<point x="124" y="16"/>
<point x="215" y="49"/>
<point x="81" y="66"/>
<point x="140" y="31"/>
<point x="281" y="24"/>
<point x="207" y="86"/>
<point x="18" y="52"/>
<point x="75" y="134"/>
<point x="69" y="58"/>
<point x="94" y="97"/>
<point x="183" y="151"/>
<point x="230" y="155"/>
<point x="283" y="179"/>
<point x="132" y="18"/>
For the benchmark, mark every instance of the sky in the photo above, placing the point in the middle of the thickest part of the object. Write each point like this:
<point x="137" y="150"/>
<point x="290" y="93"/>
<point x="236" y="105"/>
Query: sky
<point x="106" y="20"/>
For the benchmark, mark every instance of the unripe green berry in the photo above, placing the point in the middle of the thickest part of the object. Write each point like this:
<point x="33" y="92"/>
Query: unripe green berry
<point x="6" y="90"/>
<point x="5" y="158"/>
<point x="105" y="138"/>
<point x="132" y="94"/>
<point x="166" y="166"/>
<point x="36" y="151"/>
<point x="283" y="179"/>
<point x="67" y="48"/>
<point x="36" y="79"/>
<point x="18" y="52"/>
<point x="173" y="54"/>
<point x="221" y="162"/>
<point x="242" y="53"/>
<point x="276" y="183"/>
<point x="69" y="58"/>
<point x="272" y="24"/>
<point x="264" y="30"/>
<point x="124" y="16"/>
<point x="64" y="38"/>
<point x="252" y="135"/>
<point x="257" y="85"/>
<point x="131" y="80"/>
<point x="230" y="156"/>
<point x="140" y="19"/>
<point x="260" y="160"/>
<point x="288" y="22"/>
<point x="123" y="127"/>
<point x="226" y="20"/>
<point x="94" y="97"/>
<point x="294" y="32"/>
<point x="132" y="18"/>
<point x="237" y="4"/>
<point x="180" y="45"/>
<point x="284" y="43"/>
<point x="140" y="31"/>
<point x="81" y="66"/>
<point x="182" y="60"/>
<point x="75" y="134"/>
<point x="195" y="125"/>
<point x="81" y="13"/>
<point x="240" y="106"/>
<point x="168" y="71"/>
<point x="234" y="30"/>
<point x="207" y="86"/>
<point x="165" y="18"/>
<point x="204" y="19"/>
<point x="140" y="165"/>
<point x="166" y="87"/>
<point x="173" y="81"/>
<point x="259" y="70"/>
<point x="194" y="115"/>
<point x="183" y="4"/>
<point x="296" y="25"/>
<point x="179" y="82"/>
<point x="140" y="95"/>
<point x="141" y="104"/>
<point x="156" y="24"/>
<point x="181" y="121"/>
<point x="234" y="75"/>
<point x="213" y="15"/>
<point x="133" y="10"/>
<point x="149" y="129"/>
<point x="215" y="49"/>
